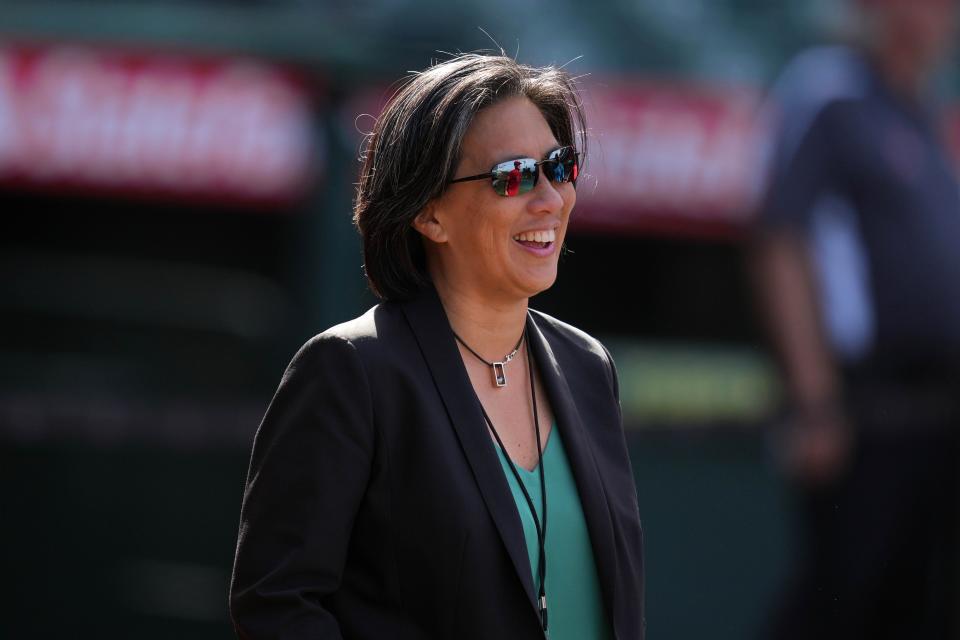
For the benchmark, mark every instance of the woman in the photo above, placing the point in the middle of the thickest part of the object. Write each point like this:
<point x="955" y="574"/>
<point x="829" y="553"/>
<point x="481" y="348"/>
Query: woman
<point x="450" y="464"/>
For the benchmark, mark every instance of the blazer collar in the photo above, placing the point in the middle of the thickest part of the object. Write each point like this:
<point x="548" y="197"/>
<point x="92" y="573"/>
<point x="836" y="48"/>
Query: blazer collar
<point x="428" y="321"/>
<point x="586" y="472"/>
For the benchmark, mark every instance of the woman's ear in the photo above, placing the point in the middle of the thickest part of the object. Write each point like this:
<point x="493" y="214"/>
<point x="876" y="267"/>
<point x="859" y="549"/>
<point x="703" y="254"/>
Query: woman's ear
<point x="429" y="225"/>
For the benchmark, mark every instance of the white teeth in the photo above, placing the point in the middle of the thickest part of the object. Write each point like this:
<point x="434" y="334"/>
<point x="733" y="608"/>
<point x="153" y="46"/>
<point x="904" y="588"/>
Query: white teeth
<point x="536" y="236"/>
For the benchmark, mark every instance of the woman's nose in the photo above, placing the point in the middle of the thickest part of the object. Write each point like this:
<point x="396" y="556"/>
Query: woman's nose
<point x="548" y="197"/>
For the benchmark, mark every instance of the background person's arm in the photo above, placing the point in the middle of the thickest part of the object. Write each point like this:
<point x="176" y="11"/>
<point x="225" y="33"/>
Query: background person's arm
<point x="805" y="165"/>
<point x="815" y="443"/>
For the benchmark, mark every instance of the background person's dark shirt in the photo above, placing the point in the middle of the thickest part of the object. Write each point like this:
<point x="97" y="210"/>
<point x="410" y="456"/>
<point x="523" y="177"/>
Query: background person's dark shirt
<point x="862" y="172"/>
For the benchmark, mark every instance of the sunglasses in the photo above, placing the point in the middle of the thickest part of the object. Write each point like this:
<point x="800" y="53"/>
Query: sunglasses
<point x="516" y="177"/>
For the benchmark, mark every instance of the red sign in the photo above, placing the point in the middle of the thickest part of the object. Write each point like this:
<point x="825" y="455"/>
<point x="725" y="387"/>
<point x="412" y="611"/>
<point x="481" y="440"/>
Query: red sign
<point x="668" y="158"/>
<point x="153" y="124"/>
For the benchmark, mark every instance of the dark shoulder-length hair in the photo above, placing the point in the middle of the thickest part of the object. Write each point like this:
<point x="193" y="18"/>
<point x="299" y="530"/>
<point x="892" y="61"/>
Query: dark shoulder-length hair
<point x="414" y="149"/>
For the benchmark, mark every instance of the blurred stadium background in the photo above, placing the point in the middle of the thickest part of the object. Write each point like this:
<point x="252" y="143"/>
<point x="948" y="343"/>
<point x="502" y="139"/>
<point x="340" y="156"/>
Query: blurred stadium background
<point x="176" y="181"/>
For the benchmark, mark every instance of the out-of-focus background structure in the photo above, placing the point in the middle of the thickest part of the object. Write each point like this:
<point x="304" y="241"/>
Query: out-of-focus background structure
<point x="175" y="187"/>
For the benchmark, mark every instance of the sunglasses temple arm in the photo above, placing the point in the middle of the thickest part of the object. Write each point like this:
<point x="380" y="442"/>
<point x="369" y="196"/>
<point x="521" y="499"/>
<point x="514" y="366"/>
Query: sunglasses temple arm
<point x="479" y="176"/>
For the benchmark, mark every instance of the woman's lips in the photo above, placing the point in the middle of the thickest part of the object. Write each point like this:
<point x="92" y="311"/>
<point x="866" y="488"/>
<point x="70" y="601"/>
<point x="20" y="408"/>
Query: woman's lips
<point x="538" y="242"/>
<point x="540" y="249"/>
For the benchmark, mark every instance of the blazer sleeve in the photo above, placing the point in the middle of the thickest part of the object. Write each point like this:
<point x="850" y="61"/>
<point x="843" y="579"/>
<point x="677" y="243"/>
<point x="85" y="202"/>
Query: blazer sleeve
<point x="308" y="472"/>
<point x="640" y="603"/>
<point x="614" y="381"/>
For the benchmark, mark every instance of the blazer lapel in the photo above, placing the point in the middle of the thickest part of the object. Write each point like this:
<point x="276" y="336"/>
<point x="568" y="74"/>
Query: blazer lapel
<point x="432" y="331"/>
<point x="583" y="464"/>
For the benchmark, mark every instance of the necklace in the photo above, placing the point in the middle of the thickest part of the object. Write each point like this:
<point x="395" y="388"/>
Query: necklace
<point x="498" y="368"/>
<point x="541" y="526"/>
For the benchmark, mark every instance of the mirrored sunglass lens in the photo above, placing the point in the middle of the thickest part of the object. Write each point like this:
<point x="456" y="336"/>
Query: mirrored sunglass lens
<point x="560" y="173"/>
<point x="500" y="183"/>
<point x="561" y="166"/>
<point x="528" y="177"/>
<point x="514" y="177"/>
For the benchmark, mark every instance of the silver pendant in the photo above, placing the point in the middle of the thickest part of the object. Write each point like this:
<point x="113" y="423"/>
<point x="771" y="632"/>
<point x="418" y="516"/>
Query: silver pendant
<point x="499" y="374"/>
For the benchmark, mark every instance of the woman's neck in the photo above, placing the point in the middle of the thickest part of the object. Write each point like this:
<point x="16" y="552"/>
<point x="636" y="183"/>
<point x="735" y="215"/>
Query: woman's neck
<point x="491" y="327"/>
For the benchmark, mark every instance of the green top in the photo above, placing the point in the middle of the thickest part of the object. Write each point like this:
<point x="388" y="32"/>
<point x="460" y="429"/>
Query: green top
<point x="574" y="600"/>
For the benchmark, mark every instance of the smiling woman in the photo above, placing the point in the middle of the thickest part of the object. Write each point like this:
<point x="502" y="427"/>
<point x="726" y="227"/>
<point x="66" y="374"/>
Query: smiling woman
<point x="495" y="243"/>
<point x="400" y="480"/>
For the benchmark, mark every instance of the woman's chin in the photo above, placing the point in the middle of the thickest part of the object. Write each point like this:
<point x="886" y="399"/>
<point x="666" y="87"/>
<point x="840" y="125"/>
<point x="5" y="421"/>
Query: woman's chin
<point x="538" y="283"/>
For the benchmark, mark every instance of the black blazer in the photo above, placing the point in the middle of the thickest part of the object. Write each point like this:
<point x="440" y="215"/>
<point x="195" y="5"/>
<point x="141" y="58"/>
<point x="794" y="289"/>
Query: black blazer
<point x="376" y="507"/>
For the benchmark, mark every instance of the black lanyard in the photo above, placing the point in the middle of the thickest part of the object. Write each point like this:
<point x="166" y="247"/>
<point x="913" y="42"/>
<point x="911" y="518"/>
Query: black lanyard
<point x="541" y="528"/>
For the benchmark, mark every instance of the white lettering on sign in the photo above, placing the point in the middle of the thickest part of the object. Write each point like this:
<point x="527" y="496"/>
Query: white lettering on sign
<point x="664" y="152"/>
<point x="239" y="129"/>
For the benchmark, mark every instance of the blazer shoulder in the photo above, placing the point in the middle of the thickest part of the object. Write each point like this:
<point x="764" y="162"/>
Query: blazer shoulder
<point x="358" y="329"/>
<point x="378" y="337"/>
<point x="334" y="342"/>
<point x="355" y="332"/>
<point x="571" y="337"/>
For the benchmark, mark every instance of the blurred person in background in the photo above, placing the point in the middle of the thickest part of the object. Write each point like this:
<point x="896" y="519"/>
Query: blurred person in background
<point x="858" y="267"/>
<point x="451" y="464"/>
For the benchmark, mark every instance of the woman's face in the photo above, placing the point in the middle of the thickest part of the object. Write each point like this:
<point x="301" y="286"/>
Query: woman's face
<point x="482" y="243"/>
